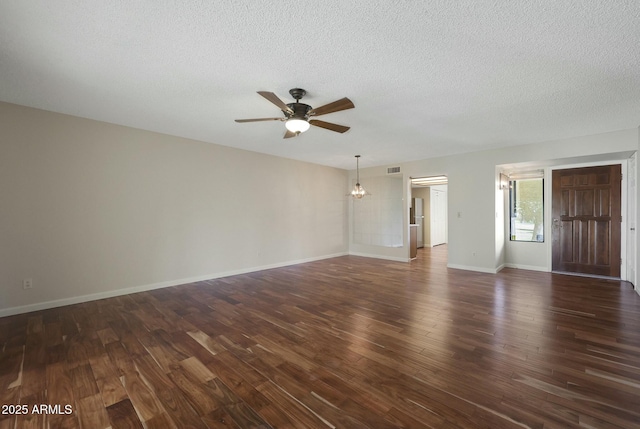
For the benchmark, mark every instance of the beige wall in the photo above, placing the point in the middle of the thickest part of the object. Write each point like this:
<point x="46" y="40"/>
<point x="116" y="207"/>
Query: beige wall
<point x="90" y="209"/>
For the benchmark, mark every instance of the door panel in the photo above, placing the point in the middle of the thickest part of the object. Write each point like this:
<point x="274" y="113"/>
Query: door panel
<point x="566" y="239"/>
<point x="586" y="220"/>
<point x="566" y="203"/>
<point x="603" y="242"/>
<point x="603" y="207"/>
<point x="586" y="253"/>
<point x="584" y="203"/>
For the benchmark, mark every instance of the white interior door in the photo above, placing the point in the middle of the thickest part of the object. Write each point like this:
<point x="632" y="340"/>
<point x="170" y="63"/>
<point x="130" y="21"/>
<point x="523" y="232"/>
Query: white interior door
<point x="438" y="217"/>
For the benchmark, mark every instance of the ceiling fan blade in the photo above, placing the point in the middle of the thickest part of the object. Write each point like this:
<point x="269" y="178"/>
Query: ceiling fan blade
<point x="336" y="106"/>
<point x="259" y="119"/>
<point x="289" y="134"/>
<point x="275" y="100"/>
<point x="329" y="126"/>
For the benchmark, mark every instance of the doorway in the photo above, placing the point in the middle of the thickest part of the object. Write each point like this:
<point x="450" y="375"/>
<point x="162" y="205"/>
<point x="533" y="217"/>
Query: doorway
<point x="586" y="220"/>
<point x="429" y="195"/>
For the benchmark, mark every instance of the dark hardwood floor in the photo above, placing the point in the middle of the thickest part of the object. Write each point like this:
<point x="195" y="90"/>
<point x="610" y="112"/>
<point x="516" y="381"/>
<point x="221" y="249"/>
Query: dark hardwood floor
<point x="348" y="342"/>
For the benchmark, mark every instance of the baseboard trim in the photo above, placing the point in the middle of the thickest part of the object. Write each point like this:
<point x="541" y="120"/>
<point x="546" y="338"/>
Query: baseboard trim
<point x="143" y="288"/>
<point x="388" y="258"/>
<point x="472" y="268"/>
<point x="593" y="276"/>
<point x="526" y="267"/>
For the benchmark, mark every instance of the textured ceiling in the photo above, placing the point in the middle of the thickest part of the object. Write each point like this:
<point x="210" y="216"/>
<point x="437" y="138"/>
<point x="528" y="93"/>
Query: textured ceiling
<point x="428" y="78"/>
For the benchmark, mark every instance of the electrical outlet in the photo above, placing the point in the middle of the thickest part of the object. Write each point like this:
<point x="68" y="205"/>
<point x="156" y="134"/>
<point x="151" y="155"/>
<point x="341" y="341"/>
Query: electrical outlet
<point x="27" y="283"/>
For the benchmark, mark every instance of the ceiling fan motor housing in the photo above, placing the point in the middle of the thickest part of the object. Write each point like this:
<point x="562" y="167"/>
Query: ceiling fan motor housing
<point x="300" y="111"/>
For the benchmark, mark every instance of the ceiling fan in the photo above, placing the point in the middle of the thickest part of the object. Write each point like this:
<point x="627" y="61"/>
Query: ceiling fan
<point x="297" y="116"/>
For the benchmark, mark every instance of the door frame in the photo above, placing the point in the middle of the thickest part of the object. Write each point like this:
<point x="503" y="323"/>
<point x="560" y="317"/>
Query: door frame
<point x="632" y="244"/>
<point x="411" y="194"/>
<point x="624" y="210"/>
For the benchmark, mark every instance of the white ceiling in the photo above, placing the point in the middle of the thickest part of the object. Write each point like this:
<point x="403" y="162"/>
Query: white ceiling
<point x="428" y="78"/>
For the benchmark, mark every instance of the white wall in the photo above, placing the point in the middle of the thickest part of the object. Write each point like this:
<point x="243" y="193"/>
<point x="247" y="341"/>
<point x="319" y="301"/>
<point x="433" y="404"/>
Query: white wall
<point x="635" y="232"/>
<point x="476" y="238"/>
<point x="377" y="218"/>
<point x="375" y="175"/>
<point x="90" y="209"/>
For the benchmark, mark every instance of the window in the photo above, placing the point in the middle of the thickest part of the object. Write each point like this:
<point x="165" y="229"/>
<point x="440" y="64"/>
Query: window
<point x="526" y="209"/>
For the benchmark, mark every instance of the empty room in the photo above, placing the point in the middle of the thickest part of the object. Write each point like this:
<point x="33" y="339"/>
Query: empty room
<point x="366" y="214"/>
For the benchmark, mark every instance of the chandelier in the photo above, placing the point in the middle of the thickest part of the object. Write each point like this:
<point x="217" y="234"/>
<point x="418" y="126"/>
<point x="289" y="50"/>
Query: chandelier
<point x="358" y="192"/>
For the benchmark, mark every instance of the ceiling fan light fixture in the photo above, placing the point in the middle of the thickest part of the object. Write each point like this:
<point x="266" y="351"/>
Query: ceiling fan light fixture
<point x="296" y="125"/>
<point x="298" y="117"/>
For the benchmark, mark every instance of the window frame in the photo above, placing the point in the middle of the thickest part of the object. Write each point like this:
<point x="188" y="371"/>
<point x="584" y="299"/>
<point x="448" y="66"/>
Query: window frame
<point x="512" y="202"/>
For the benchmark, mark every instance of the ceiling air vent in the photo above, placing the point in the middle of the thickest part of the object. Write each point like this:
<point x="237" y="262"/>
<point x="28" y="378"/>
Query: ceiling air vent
<point x="393" y="170"/>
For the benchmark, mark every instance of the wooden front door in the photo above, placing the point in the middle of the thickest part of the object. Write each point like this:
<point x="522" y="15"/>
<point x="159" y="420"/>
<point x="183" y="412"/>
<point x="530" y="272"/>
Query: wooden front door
<point x="586" y="220"/>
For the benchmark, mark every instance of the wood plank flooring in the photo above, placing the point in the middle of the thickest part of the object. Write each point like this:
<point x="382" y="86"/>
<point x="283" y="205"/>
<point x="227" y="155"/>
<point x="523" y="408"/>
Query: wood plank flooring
<point x="348" y="342"/>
